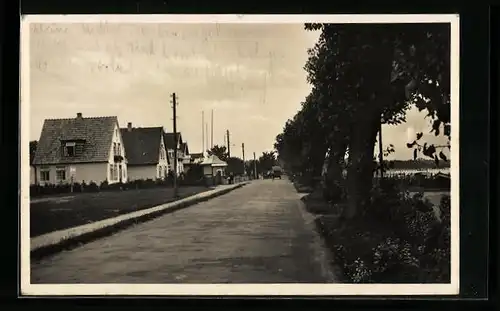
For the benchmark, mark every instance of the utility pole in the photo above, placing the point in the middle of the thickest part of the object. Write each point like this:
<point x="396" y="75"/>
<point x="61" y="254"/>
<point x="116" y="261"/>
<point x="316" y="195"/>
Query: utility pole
<point x="254" y="166"/>
<point x="174" y="109"/>
<point x="203" y="132"/>
<point x="206" y="134"/>
<point x="243" y="153"/>
<point x="212" y="131"/>
<point x="228" y="145"/>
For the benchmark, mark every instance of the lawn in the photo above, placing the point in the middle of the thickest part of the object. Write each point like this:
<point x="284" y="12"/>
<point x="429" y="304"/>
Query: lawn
<point x="62" y="212"/>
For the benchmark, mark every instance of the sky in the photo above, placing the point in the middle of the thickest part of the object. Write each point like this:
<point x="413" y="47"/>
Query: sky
<point x="250" y="75"/>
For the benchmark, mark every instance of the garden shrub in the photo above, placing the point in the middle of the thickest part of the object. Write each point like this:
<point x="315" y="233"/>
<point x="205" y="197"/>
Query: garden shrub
<point x="92" y="187"/>
<point x="399" y="240"/>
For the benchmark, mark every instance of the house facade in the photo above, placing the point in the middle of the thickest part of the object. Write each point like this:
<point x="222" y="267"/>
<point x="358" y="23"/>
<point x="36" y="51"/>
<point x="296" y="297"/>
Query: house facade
<point x="174" y="142"/>
<point x="192" y="159"/>
<point x="80" y="150"/>
<point x="147" y="156"/>
<point x="185" y="156"/>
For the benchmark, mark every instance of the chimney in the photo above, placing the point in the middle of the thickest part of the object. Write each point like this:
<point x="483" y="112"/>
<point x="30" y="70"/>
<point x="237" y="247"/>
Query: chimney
<point x="129" y="126"/>
<point x="79" y="115"/>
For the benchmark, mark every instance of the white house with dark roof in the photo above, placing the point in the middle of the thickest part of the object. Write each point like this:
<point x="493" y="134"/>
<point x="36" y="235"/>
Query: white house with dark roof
<point x="80" y="150"/>
<point x="147" y="156"/>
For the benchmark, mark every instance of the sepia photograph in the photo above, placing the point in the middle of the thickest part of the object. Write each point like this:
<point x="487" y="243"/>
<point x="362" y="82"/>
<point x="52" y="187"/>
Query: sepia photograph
<point x="239" y="155"/>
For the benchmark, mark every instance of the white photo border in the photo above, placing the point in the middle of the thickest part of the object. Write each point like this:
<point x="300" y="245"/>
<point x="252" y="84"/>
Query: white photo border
<point x="300" y="289"/>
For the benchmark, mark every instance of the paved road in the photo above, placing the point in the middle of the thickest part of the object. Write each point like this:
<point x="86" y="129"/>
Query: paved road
<point x="255" y="234"/>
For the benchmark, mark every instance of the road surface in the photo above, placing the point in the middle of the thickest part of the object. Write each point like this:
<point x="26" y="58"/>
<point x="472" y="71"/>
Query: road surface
<point x="255" y="234"/>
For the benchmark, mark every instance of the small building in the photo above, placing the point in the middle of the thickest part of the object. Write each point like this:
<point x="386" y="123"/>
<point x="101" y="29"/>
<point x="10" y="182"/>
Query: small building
<point x="80" y="150"/>
<point x="213" y="166"/>
<point x="147" y="156"/>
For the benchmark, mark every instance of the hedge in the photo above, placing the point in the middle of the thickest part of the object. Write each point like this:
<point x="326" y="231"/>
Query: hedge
<point x="53" y="189"/>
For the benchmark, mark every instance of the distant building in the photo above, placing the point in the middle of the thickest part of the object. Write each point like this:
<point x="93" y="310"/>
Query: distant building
<point x="175" y="142"/>
<point x="80" y="149"/>
<point x="213" y="166"/>
<point x="147" y="156"/>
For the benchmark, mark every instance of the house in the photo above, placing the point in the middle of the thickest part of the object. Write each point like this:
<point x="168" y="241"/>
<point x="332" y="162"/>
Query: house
<point x="186" y="158"/>
<point x="192" y="159"/>
<point x="174" y="142"/>
<point x="212" y="166"/>
<point x="80" y="150"/>
<point x="147" y="156"/>
<point x="196" y="157"/>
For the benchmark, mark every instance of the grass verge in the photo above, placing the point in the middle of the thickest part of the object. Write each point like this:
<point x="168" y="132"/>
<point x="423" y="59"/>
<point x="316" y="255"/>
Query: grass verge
<point x="68" y="243"/>
<point x="63" y="212"/>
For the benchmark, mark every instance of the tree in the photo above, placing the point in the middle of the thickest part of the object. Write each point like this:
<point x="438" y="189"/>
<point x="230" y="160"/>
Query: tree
<point x="219" y="151"/>
<point x="235" y="165"/>
<point x="267" y="160"/>
<point x="365" y="76"/>
<point x="430" y="151"/>
<point x="250" y="167"/>
<point x="33" y="147"/>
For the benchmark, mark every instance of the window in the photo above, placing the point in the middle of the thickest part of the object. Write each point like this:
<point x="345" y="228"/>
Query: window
<point x="159" y="172"/>
<point x="114" y="149"/>
<point x="111" y="171"/>
<point x="69" y="149"/>
<point x="45" y="174"/>
<point x="119" y="149"/>
<point x="61" y="173"/>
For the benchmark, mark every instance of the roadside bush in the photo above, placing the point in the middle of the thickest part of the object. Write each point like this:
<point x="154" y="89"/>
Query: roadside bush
<point x="398" y="240"/>
<point x="77" y="187"/>
<point x="92" y="187"/>
<point x="52" y="189"/>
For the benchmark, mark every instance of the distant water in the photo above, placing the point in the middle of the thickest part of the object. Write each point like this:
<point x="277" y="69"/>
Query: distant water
<point x="432" y="171"/>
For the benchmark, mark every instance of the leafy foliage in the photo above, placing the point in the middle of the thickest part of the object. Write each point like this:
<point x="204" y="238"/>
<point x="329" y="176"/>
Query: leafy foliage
<point x="235" y="166"/>
<point x="219" y="151"/>
<point x="267" y="160"/>
<point x="33" y="147"/>
<point x="430" y="151"/>
<point x="251" y="166"/>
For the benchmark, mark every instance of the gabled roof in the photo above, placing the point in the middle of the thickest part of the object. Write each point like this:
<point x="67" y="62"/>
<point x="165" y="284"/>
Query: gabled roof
<point x="142" y="145"/>
<point x="197" y="155"/>
<point x="170" y="141"/>
<point x="97" y="133"/>
<point x="214" y="161"/>
<point x="185" y="148"/>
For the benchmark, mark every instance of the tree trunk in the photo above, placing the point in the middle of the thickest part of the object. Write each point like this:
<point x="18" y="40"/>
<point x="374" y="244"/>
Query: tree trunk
<point x="332" y="188"/>
<point x="360" y="168"/>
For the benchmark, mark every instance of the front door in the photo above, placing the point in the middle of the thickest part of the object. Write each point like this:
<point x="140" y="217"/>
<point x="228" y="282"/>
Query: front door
<point x="120" y="172"/>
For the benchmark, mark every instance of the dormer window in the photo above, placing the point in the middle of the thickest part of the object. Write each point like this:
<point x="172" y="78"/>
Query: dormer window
<point x="69" y="149"/>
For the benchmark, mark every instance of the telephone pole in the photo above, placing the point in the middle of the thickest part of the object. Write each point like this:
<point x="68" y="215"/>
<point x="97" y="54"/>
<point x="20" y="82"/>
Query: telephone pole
<point x="228" y="145"/>
<point x="206" y="134"/>
<point x="212" y="130"/>
<point x="174" y="110"/>
<point x="254" y="166"/>
<point x="243" y="153"/>
<point x="203" y="132"/>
